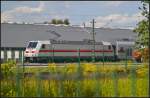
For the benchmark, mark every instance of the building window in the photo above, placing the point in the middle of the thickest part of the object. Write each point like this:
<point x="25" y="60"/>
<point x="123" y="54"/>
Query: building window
<point x="2" y="54"/>
<point x="9" y="54"/>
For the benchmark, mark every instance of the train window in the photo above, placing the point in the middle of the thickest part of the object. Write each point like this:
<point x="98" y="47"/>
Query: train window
<point x="32" y="45"/>
<point x="109" y="47"/>
<point x="43" y="46"/>
<point x="121" y="49"/>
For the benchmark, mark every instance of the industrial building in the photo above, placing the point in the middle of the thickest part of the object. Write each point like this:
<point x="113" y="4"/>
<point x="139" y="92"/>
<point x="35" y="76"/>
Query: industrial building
<point x="14" y="37"/>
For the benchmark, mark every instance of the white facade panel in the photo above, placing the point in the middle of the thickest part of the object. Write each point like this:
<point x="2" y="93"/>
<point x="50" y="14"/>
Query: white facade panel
<point x="2" y="54"/>
<point x="9" y="54"/>
<point x="16" y="54"/>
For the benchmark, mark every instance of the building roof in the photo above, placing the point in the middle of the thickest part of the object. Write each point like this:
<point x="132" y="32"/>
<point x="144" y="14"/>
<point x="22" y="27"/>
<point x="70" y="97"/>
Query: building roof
<point x="112" y="35"/>
<point x="17" y="35"/>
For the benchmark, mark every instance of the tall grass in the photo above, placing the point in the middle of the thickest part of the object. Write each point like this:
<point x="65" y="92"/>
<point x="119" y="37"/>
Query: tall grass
<point x="105" y="84"/>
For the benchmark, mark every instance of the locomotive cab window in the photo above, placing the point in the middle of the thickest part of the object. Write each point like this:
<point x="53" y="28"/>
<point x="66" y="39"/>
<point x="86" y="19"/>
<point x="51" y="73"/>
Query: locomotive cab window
<point x="43" y="46"/>
<point x="32" y="45"/>
<point x="109" y="47"/>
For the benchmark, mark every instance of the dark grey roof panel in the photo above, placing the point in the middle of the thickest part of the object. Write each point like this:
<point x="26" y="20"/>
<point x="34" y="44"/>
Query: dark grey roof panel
<point x="17" y="35"/>
<point x="113" y="34"/>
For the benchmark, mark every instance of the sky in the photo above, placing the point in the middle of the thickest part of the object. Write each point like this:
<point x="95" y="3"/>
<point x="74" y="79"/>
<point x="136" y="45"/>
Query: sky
<point x="107" y="14"/>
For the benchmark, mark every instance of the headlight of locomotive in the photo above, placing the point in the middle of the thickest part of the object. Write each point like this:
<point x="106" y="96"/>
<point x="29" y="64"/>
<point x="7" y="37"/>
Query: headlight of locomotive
<point x="34" y="53"/>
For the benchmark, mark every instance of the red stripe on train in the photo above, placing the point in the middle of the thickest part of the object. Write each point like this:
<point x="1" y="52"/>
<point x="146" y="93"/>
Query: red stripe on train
<point x="74" y="51"/>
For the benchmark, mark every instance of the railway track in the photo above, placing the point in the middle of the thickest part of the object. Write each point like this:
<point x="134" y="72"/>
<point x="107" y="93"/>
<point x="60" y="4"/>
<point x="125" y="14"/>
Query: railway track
<point x="63" y="64"/>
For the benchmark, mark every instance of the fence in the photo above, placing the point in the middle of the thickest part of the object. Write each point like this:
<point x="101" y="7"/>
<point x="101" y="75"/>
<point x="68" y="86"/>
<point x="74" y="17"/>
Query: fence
<point x="58" y="82"/>
<point x="16" y="54"/>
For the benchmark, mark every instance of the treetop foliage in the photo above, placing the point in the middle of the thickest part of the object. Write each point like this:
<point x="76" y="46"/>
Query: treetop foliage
<point x="58" y="21"/>
<point x="143" y="27"/>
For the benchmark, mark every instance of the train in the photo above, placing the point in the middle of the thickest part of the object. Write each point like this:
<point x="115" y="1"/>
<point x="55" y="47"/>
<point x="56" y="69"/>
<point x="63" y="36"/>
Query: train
<point x="70" y="51"/>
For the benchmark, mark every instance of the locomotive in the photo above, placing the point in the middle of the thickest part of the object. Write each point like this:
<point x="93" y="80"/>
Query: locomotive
<point x="69" y="51"/>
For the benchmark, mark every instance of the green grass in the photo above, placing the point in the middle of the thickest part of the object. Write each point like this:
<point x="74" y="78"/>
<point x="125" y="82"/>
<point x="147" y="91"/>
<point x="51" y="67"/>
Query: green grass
<point x="46" y="69"/>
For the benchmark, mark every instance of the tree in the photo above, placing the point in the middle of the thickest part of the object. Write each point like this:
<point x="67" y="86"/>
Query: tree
<point x="143" y="27"/>
<point x="59" y="21"/>
<point x="54" y="21"/>
<point x="66" y="21"/>
<point x="143" y="32"/>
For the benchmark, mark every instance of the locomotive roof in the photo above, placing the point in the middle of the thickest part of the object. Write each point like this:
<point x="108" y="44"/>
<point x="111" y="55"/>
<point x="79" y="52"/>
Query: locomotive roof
<point x="75" y="42"/>
<point x="18" y="35"/>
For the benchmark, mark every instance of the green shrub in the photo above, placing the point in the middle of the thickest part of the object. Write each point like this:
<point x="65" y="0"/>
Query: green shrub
<point x="7" y="68"/>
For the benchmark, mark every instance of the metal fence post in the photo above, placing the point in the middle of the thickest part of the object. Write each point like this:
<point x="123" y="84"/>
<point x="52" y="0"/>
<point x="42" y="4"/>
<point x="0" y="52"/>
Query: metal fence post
<point x="97" y="82"/>
<point x="126" y="59"/>
<point x="61" y="80"/>
<point x="18" y="90"/>
<point x="133" y="82"/>
<point x="13" y="54"/>
<point x="115" y="82"/>
<point x="114" y="51"/>
<point x="49" y="55"/>
<point x="23" y="61"/>
<point x="148" y="75"/>
<point x="5" y="55"/>
<point x="20" y="56"/>
<point x="93" y="56"/>
<point x="39" y="84"/>
<point x="60" y="87"/>
<point x="79" y="57"/>
<point x="103" y="55"/>
<point x="17" y="83"/>
<point x="78" y="75"/>
<point x="49" y="82"/>
<point x="53" y="55"/>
